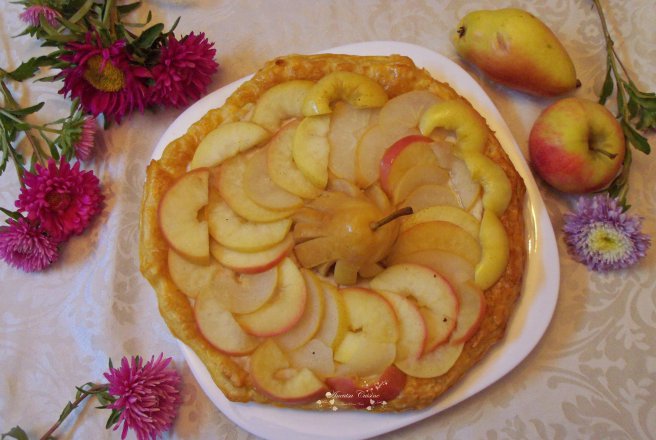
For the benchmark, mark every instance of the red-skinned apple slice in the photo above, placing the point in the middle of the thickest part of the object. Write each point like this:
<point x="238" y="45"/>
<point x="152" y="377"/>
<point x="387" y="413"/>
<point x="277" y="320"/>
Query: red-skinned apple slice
<point x="416" y="176"/>
<point x="229" y="180"/>
<point x="239" y="234"/>
<point x="189" y="277"/>
<point x="370" y="344"/>
<point x="434" y="363"/>
<point x="453" y="267"/>
<point x="274" y="377"/>
<point x="284" y="309"/>
<point x="335" y="318"/>
<point x="417" y="155"/>
<point x="252" y="262"/>
<point x="178" y="216"/>
<point x="219" y="327"/>
<point x="309" y="323"/>
<point x="472" y="311"/>
<point x="262" y="190"/>
<point x="439" y="235"/>
<point x="315" y="355"/>
<point x="412" y="327"/>
<point x="244" y="293"/>
<point x="430" y="290"/>
<point x="381" y="388"/>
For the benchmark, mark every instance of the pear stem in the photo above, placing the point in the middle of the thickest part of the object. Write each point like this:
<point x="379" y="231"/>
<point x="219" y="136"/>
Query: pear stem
<point x="393" y="216"/>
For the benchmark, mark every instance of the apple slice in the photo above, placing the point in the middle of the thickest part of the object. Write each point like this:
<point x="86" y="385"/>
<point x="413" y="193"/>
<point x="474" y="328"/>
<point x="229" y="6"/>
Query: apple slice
<point x="371" y="148"/>
<point x="309" y="323"/>
<point x="434" y="363"/>
<point x="282" y="169"/>
<point x="284" y="309"/>
<point x="226" y="141"/>
<point x="244" y="293"/>
<point x="472" y="311"/>
<point x="445" y="213"/>
<point x="189" y="277"/>
<point x="403" y="155"/>
<point x="281" y="102"/>
<point x="219" y="327"/>
<point x="454" y="268"/>
<point x="347" y="125"/>
<point x="370" y="344"/>
<point x="252" y="262"/>
<point x="239" y="234"/>
<point x="426" y="196"/>
<point x="311" y="149"/>
<point x="462" y="183"/>
<point x="178" y="216"/>
<point x="496" y="185"/>
<point x="335" y="318"/>
<point x="230" y="183"/>
<point x="315" y="355"/>
<point x="404" y="111"/>
<point x="459" y="116"/>
<point x="439" y="235"/>
<point x="495" y="251"/>
<point x="380" y="388"/>
<point x="412" y="327"/>
<point x="344" y="186"/>
<point x="262" y="190"/>
<point x="430" y="290"/>
<point x="416" y="176"/>
<point x="274" y="377"/>
<point x="358" y="90"/>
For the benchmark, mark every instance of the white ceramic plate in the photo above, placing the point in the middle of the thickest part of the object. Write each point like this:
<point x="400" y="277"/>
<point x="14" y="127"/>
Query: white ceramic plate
<point x="528" y="324"/>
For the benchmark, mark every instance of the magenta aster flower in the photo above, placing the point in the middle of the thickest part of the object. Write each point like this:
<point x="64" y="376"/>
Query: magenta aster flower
<point x="184" y="70"/>
<point x="85" y="142"/>
<point x="26" y="246"/>
<point x="147" y="396"/>
<point x="602" y="236"/>
<point x="31" y="15"/>
<point x="104" y="78"/>
<point x="62" y="199"/>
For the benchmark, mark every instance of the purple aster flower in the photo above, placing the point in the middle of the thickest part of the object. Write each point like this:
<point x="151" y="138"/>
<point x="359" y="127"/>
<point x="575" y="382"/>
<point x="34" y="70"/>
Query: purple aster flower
<point x="31" y="15"/>
<point x="24" y="245"/>
<point x="602" y="236"/>
<point x="147" y="396"/>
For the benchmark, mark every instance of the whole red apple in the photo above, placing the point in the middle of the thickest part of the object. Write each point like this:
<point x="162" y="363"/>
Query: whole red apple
<point x="576" y="146"/>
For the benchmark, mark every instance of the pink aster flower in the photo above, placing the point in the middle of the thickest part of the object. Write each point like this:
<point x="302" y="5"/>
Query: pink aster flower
<point x="62" y="199"/>
<point x="602" y="236"/>
<point x="104" y="78"/>
<point x="184" y="70"/>
<point x="85" y="142"/>
<point x="147" y="396"/>
<point x="26" y="246"/>
<point x="31" y="15"/>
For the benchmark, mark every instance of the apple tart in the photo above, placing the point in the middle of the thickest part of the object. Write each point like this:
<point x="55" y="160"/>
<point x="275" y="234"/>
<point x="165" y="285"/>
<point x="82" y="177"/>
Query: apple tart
<point x="343" y="228"/>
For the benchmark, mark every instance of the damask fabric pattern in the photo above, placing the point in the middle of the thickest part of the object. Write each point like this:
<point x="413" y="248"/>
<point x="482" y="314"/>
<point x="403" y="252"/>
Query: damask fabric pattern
<point x="593" y="375"/>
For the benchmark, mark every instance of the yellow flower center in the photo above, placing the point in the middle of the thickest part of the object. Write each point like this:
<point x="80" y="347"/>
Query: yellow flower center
<point x="608" y="241"/>
<point x="106" y="78"/>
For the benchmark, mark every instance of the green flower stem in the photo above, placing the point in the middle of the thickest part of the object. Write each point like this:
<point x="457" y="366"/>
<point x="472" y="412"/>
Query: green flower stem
<point x="70" y="406"/>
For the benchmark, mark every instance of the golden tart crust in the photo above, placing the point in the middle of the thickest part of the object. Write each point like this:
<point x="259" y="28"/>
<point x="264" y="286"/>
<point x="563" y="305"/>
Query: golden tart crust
<point x="397" y="74"/>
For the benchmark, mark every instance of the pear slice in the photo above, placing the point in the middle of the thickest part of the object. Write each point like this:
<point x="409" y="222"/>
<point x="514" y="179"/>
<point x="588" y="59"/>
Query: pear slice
<point x="282" y="101"/>
<point x="457" y="216"/>
<point x="358" y="90"/>
<point x="457" y="115"/>
<point x="495" y="251"/>
<point x="497" y="190"/>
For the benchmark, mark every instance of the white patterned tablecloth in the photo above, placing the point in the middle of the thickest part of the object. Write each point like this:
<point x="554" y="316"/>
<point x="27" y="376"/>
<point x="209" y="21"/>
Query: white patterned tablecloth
<point x="592" y="376"/>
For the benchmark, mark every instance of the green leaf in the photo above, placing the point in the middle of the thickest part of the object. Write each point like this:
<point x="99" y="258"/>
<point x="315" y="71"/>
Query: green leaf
<point x="79" y="15"/>
<point x="148" y="37"/>
<point x="113" y="418"/>
<point x="635" y="138"/>
<point x="28" y="68"/>
<point x="607" y="88"/>
<point x="126" y="9"/>
<point x="17" y="433"/>
<point x="11" y="214"/>
<point x="27" y="110"/>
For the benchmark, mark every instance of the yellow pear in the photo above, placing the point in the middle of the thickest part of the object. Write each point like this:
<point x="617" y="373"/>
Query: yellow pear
<point x="516" y="49"/>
